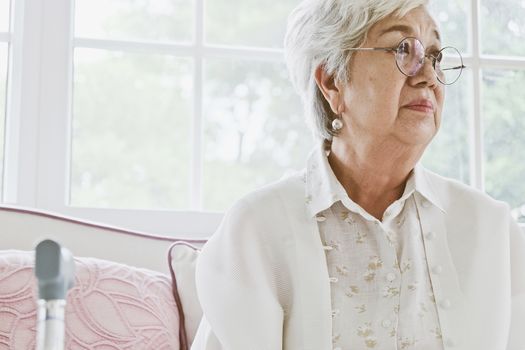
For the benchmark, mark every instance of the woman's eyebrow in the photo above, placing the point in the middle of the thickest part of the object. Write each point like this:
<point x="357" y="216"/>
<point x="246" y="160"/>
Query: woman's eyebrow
<point x="405" y="29"/>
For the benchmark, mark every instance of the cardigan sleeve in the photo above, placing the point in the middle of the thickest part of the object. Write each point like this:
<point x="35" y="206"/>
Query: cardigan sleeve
<point x="517" y="251"/>
<point x="235" y="279"/>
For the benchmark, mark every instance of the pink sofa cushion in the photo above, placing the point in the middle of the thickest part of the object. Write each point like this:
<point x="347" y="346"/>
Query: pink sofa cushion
<point x="112" y="306"/>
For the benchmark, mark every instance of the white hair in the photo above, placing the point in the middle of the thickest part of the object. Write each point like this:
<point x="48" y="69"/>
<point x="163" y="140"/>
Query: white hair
<point x="317" y="34"/>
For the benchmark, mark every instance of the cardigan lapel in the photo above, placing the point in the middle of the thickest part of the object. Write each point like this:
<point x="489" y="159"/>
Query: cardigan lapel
<point x="314" y="287"/>
<point x="311" y="273"/>
<point x="449" y="297"/>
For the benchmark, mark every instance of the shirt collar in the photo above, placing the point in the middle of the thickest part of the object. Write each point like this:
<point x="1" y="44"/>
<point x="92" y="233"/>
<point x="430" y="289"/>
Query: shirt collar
<point x="323" y="188"/>
<point x="425" y="187"/>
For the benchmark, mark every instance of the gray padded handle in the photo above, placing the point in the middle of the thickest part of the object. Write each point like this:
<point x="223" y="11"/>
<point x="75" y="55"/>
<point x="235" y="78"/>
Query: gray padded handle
<point x="54" y="269"/>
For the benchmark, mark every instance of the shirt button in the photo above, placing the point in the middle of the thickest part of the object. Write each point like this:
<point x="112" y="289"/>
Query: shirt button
<point x="386" y="323"/>
<point x="437" y="269"/>
<point x="391" y="276"/>
<point x="334" y="279"/>
<point x="430" y="235"/>
<point x="335" y="312"/>
<point x="445" y="304"/>
<point x="328" y="247"/>
<point x="320" y="218"/>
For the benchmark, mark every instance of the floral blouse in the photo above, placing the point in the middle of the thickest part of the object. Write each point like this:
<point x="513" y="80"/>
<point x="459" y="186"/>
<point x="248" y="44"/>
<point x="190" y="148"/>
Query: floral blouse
<point x="382" y="297"/>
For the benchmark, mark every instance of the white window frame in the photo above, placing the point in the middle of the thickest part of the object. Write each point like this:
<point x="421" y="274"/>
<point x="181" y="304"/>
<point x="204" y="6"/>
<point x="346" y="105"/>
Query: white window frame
<point x="39" y="104"/>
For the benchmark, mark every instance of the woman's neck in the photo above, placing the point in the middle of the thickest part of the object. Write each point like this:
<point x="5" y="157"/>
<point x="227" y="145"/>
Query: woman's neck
<point x="373" y="177"/>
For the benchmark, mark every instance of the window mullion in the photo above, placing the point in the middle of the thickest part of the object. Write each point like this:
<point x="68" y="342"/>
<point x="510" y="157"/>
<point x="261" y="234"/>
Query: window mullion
<point x="477" y="157"/>
<point x="22" y="117"/>
<point x="55" y="88"/>
<point x="197" y="125"/>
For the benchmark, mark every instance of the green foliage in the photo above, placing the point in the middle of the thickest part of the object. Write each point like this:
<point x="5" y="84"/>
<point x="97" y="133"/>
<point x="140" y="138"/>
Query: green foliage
<point x="247" y="22"/>
<point x="131" y="131"/>
<point x="254" y="129"/>
<point x="504" y="125"/>
<point x="151" y="20"/>
<point x="503" y="27"/>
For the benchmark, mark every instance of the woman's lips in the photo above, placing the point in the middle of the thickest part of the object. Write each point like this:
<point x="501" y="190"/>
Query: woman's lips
<point x="421" y="104"/>
<point x="421" y="108"/>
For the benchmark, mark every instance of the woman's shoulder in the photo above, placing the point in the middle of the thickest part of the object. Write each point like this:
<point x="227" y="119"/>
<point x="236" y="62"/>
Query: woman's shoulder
<point x="261" y="217"/>
<point x="273" y="199"/>
<point x="456" y="193"/>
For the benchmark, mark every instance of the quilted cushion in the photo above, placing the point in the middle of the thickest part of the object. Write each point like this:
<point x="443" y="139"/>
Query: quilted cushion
<point x="183" y="258"/>
<point x="112" y="306"/>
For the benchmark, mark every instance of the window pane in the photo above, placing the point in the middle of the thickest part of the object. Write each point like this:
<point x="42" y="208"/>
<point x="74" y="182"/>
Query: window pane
<point x="503" y="27"/>
<point x="131" y="127"/>
<point x="448" y="154"/>
<point x="247" y="22"/>
<point x="504" y="125"/>
<point x="254" y="129"/>
<point x="4" y="15"/>
<point x="452" y="16"/>
<point x="4" y="49"/>
<point x="159" y="20"/>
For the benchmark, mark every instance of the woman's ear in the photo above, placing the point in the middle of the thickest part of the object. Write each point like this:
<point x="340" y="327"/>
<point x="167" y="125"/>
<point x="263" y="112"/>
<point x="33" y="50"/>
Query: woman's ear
<point x="330" y="89"/>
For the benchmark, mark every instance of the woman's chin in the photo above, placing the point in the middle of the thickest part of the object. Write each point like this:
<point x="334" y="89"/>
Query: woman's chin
<point x="417" y="136"/>
<point x="417" y="130"/>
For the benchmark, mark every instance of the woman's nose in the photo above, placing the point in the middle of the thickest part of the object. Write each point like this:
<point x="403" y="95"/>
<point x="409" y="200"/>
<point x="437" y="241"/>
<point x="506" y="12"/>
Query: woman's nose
<point x="426" y="73"/>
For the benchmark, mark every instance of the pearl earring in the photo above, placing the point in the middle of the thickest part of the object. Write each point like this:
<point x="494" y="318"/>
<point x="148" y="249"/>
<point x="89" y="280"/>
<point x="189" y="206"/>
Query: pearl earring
<point x="337" y="124"/>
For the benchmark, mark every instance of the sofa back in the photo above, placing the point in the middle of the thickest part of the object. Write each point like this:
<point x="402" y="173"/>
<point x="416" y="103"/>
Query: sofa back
<point x="22" y="228"/>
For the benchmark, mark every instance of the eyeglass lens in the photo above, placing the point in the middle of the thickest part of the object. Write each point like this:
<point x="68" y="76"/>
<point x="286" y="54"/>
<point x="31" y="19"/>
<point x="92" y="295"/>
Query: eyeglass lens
<point x="410" y="57"/>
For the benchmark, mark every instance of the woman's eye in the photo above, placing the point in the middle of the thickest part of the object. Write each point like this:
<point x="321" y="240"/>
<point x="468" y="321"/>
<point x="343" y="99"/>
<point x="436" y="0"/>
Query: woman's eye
<point x="404" y="48"/>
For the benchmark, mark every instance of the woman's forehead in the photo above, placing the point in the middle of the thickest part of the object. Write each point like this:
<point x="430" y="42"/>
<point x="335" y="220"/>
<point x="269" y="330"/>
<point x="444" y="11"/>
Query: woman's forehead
<point x="416" y="22"/>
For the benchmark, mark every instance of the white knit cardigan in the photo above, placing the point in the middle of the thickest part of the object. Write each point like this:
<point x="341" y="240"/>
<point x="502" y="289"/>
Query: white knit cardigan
<point x="263" y="283"/>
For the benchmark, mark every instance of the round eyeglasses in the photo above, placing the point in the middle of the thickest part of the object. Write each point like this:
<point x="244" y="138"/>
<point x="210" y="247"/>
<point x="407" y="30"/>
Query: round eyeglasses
<point x="410" y="58"/>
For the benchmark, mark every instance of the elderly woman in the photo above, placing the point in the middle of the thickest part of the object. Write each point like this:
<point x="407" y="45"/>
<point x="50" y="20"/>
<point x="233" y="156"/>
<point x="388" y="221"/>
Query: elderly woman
<point x="365" y="249"/>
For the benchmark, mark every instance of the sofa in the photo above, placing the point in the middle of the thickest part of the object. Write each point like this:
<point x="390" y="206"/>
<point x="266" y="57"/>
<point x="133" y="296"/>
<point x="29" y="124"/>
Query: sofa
<point x="133" y="290"/>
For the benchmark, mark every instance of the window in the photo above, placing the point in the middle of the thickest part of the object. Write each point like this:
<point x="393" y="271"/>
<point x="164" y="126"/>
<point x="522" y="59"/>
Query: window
<point x="157" y="114"/>
<point x="503" y="94"/>
<point x="488" y="132"/>
<point x="147" y="74"/>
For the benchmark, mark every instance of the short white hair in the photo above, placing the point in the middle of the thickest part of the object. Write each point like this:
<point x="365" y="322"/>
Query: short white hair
<point x="317" y="34"/>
